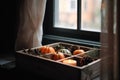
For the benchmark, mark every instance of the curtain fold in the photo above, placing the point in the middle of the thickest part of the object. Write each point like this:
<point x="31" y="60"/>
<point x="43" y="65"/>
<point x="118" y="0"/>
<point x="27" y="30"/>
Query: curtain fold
<point x="109" y="41"/>
<point x="30" y="24"/>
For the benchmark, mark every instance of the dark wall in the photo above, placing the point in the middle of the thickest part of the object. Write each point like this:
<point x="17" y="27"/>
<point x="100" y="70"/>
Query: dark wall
<point x="8" y="25"/>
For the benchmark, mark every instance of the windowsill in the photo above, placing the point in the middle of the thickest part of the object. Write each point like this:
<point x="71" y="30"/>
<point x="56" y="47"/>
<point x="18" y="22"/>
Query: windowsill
<point x="53" y="38"/>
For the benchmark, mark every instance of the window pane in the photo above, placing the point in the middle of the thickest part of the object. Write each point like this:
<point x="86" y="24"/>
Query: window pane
<point x="65" y="14"/>
<point x="91" y="15"/>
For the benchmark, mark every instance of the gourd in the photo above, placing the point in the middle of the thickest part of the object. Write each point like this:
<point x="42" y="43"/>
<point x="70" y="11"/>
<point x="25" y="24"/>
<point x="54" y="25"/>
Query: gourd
<point x="47" y="49"/>
<point x="65" y="51"/>
<point x="79" y="51"/>
<point x="58" y="56"/>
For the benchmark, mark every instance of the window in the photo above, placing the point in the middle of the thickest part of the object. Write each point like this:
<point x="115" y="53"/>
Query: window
<point x="79" y="19"/>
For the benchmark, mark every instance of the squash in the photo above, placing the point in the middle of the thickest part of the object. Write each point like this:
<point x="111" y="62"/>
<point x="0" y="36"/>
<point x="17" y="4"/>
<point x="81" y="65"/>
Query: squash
<point x="79" y="51"/>
<point x="70" y="62"/>
<point x="58" y="56"/>
<point x="61" y="55"/>
<point x="65" y="51"/>
<point x="47" y="49"/>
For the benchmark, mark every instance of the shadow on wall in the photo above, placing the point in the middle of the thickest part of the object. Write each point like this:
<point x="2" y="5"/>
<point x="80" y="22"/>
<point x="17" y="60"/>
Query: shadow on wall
<point x="8" y="25"/>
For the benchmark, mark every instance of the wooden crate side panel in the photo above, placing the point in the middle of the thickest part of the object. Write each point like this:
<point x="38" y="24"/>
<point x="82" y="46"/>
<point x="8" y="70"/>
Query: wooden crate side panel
<point x="91" y="71"/>
<point x="48" y="68"/>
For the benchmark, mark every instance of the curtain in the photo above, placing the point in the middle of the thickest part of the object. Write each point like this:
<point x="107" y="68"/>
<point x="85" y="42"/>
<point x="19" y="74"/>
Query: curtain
<point x="110" y="40"/>
<point x="30" y="24"/>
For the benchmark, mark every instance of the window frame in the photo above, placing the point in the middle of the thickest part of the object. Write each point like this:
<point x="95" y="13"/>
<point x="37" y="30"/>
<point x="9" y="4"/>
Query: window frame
<point x="49" y="29"/>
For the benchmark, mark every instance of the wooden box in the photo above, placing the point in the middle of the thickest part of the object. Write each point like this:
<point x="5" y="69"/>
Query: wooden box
<point x="55" y="68"/>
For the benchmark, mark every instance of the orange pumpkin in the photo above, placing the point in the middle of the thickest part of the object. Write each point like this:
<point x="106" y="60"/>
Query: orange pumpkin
<point x="58" y="56"/>
<point x="47" y="49"/>
<point x="79" y="51"/>
<point x="61" y="55"/>
<point x="55" y="57"/>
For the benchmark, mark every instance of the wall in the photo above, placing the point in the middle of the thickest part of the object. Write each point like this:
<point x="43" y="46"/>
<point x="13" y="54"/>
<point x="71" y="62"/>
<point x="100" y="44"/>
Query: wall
<point x="8" y="25"/>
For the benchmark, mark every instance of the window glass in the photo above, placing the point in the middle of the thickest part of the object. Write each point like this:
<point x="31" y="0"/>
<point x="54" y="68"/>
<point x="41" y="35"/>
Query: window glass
<point x="91" y="15"/>
<point x="66" y="14"/>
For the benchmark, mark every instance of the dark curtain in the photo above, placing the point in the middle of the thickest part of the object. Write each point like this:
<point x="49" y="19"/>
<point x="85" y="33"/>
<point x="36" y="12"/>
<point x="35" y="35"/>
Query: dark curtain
<point x="110" y="40"/>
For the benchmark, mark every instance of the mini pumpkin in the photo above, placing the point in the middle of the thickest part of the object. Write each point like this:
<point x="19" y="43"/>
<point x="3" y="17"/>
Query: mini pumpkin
<point x="61" y="55"/>
<point x="79" y="51"/>
<point x="58" y="56"/>
<point x="47" y="49"/>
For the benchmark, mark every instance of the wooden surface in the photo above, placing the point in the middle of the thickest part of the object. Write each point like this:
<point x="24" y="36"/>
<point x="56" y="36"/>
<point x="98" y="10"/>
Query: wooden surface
<point x="21" y="74"/>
